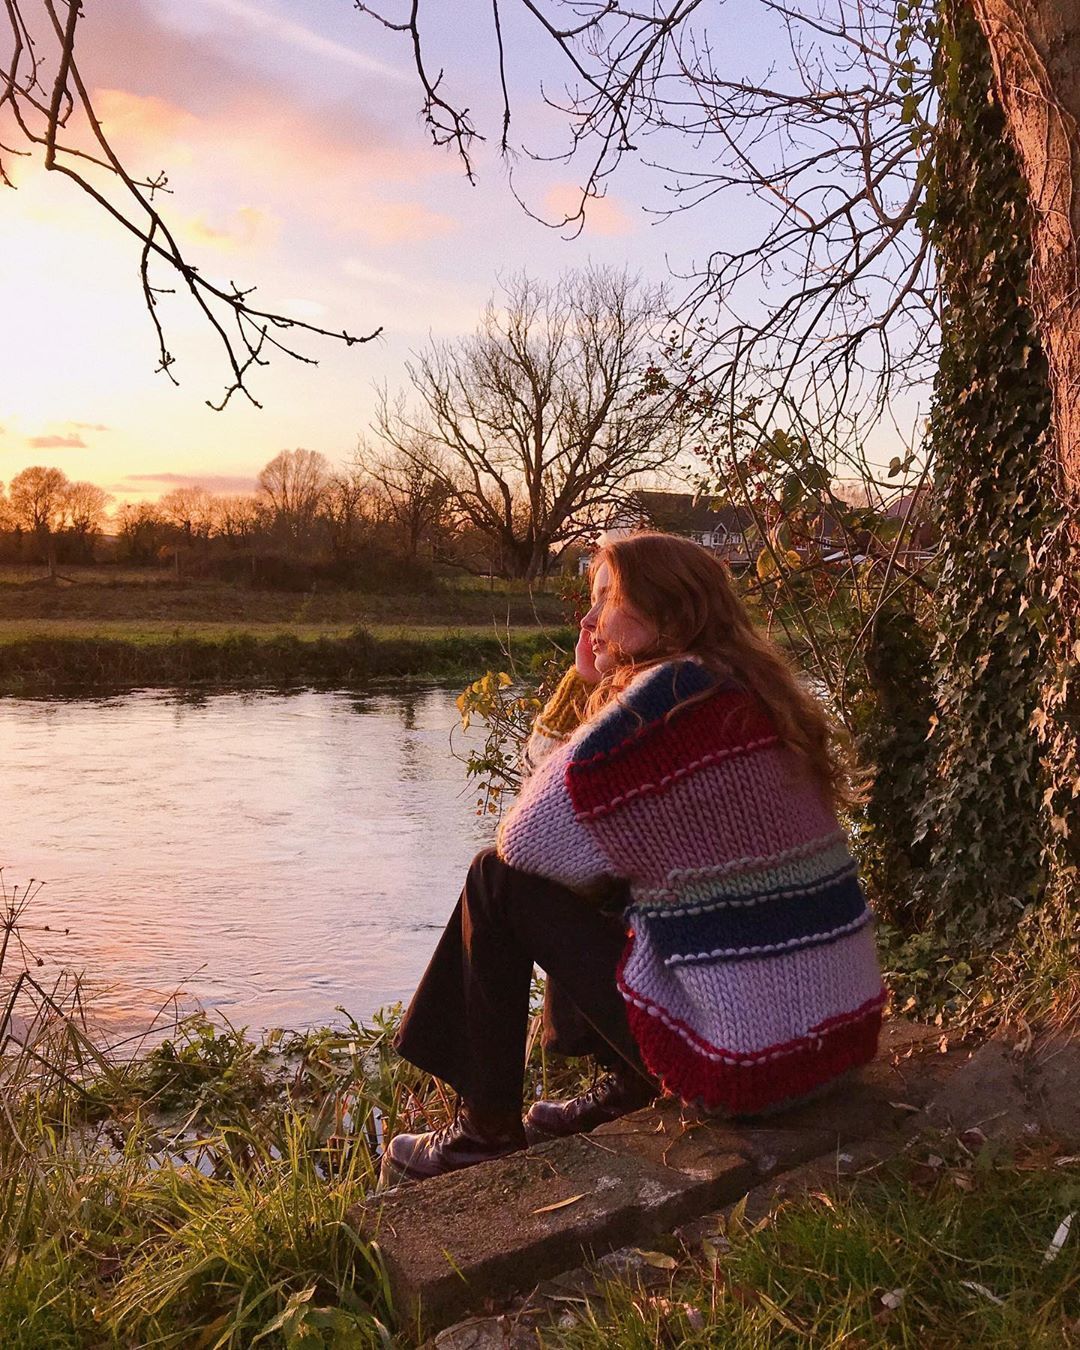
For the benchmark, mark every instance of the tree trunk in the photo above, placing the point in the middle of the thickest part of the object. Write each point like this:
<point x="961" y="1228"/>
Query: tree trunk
<point x="1035" y="52"/>
<point x="516" y="558"/>
<point x="537" y="568"/>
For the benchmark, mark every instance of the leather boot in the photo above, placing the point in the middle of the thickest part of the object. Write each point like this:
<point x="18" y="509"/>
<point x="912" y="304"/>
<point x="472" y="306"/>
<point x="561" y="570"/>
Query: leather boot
<point x="615" y="1094"/>
<point x="476" y="1134"/>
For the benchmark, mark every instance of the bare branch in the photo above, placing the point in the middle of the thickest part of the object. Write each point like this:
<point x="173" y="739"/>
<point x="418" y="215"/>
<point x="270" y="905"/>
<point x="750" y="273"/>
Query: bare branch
<point x="44" y="125"/>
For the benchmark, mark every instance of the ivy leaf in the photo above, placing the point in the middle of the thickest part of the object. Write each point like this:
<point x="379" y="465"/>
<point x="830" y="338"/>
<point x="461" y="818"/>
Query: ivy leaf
<point x="766" y="565"/>
<point x="793" y="491"/>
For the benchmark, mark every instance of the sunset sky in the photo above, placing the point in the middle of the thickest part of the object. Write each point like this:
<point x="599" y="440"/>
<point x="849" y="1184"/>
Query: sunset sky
<point x="298" y="160"/>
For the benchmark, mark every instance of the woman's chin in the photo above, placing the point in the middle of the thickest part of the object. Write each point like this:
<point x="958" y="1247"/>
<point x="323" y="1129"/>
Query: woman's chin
<point x="607" y="663"/>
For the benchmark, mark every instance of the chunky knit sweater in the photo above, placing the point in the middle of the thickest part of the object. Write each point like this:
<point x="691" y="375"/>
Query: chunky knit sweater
<point x="750" y="974"/>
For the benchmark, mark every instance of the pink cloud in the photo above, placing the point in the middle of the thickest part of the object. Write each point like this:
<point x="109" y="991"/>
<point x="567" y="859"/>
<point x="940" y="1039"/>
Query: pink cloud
<point x="603" y="215"/>
<point x="271" y="150"/>
<point x="72" y="442"/>
<point x="244" y="229"/>
<point x="142" y="121"/>
<point x="399" y="222"/>
<point x="161" y="89"/>
<point x="213" y="482"/>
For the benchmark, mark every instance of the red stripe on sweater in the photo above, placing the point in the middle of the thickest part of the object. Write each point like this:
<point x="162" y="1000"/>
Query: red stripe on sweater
<point x="742" y="1088"/>
<point x="719" y="726"/>
<point x="699" y="1044"/>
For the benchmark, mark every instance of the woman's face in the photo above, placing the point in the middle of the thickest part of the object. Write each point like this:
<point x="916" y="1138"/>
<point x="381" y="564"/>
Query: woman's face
<point x="616" y="630"/>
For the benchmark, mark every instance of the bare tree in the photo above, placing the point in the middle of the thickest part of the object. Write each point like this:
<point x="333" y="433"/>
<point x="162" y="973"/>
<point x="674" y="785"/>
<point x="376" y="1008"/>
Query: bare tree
<point x="611" y="55"/>
<point x="536" y="425"/>
<point x="142" y="530"/>
<point x="346" y="510"/>
<point x="293" y="485"/>
<point x="836" y="292"/>
<point x="37" y="499"/>
<point x="46" y="113"/>
<point x="236" y="517"/>
<point x="191" y="510"/>
<point x="85" y="505"/>
<point x="414" y="491"/>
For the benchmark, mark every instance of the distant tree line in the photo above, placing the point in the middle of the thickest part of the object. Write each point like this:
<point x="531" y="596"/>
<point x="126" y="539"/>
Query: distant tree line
<point x="513" y="443"/>
<point x="306" y="518"/>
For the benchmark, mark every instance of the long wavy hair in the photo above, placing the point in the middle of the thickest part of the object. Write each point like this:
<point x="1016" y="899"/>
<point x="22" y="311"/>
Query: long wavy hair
<point x="685" y="593"/>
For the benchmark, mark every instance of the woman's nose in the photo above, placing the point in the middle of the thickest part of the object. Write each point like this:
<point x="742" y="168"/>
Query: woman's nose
<point x="589" y="621"/>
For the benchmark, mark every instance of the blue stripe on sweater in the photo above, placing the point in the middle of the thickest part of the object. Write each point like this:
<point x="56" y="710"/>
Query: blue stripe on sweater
<point x="647" y="700"/>
<point x="743" y="932"/>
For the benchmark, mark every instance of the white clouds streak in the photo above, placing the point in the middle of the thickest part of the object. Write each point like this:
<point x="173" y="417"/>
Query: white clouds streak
<point x="296" y="35"/>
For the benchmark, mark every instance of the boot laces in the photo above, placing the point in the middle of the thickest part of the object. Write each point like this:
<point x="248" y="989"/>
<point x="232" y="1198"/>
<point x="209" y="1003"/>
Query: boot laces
<point x="601" y="1089"/>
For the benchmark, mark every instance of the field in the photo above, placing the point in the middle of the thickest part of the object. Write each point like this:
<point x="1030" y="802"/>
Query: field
<point x="155" y="597"/>
<point x="114" y="628"/>
<point x="167" y="630"/>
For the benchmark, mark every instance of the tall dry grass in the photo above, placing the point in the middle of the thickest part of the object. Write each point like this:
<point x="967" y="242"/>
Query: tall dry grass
<point x="195" y="1193"/>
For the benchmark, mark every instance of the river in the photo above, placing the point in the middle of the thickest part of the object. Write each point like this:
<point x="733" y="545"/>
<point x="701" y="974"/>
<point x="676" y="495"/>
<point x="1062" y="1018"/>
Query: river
<point x="272" y="855"/>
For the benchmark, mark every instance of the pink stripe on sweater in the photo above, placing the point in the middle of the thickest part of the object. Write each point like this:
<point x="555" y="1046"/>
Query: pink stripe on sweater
<point x="695" y="766"/>
<point x="540" y="833"/>
<point x="747" y="807"/>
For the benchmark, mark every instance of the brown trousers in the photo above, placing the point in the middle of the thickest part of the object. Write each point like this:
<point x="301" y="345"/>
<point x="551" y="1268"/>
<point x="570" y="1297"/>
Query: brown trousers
<point x="468" y="1020"/>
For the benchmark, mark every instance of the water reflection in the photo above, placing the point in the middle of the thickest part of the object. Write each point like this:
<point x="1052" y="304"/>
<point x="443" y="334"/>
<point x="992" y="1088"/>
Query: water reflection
<point x="276" y="854"/>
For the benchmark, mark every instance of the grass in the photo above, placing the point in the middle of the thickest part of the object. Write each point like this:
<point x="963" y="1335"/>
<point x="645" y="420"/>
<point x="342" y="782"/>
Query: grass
<point x="37" y="666"/>
<point x="124" y="595"/>
<point x="113" y="629"/>
<point x="165" y="630"/>
<point x="942" y="1247"/>
<point x="196" y="1194"/>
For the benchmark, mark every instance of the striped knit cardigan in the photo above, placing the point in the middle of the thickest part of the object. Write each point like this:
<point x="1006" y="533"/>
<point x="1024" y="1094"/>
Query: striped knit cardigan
<point x="750" y="974"/>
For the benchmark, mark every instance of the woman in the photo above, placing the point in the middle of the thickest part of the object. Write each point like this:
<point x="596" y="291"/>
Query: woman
<point x="682" y="778"/>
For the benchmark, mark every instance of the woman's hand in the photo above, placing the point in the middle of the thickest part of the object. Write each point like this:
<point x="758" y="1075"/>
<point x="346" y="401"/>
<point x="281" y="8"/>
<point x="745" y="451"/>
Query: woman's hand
<point x="583" y="658"/>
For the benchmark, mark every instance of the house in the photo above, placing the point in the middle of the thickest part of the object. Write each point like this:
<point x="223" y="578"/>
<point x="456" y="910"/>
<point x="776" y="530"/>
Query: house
<point x="923" y="534"/>
<point x="722" y="529"/>
<point x="730" y="531"/>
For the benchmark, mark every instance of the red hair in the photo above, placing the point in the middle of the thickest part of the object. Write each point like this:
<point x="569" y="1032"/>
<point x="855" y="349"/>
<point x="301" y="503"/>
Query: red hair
<point x="685" y="592"/>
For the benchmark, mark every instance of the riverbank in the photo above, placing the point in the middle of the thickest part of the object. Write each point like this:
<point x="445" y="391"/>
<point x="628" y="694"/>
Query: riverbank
<point x="35" y="664"/>
<point x="198" y="1192"/>
<point x="205" y="1193"/>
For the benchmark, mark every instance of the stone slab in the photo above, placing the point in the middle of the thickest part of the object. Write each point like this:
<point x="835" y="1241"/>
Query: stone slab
<point x="712" y="1160"/>
<point x="1012" y="1087"/>
<point x="875" y="1100"/>
<point x="489" y="1230"/>
<point x="1054" y="1086"/>
<point x="987" y="1093"/>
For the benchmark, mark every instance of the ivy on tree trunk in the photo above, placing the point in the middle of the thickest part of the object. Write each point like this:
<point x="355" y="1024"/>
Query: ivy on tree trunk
<point x="1034" y="48"/>
<point x="985" y="815"/>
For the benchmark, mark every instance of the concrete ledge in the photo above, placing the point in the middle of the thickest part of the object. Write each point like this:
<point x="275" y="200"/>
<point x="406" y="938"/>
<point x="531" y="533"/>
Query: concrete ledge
<point x="487" y="1230"/>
